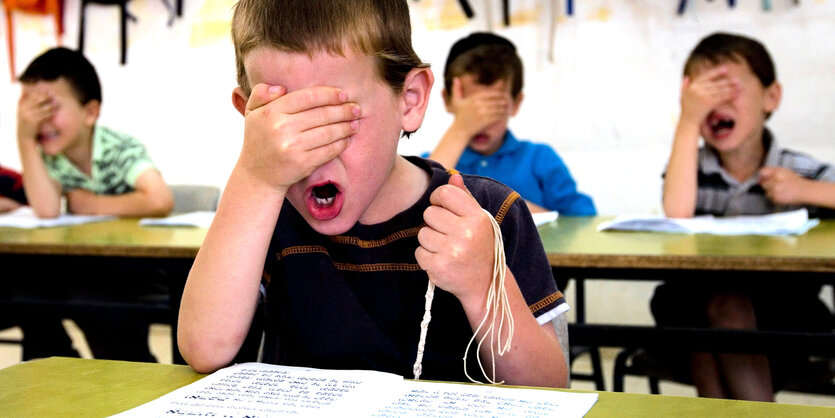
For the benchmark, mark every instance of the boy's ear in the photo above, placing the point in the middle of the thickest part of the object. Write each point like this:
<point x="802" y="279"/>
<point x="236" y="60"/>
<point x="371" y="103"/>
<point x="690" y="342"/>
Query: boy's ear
<point x="91" y="112"/>
<point x="773" y="95"/>
<point x="239" y="100"/>
<point x="517" y="103"/>
<point x="415" y="97"/>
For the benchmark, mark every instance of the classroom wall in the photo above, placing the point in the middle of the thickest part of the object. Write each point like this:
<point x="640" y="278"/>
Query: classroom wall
<point x="603" y="90"/>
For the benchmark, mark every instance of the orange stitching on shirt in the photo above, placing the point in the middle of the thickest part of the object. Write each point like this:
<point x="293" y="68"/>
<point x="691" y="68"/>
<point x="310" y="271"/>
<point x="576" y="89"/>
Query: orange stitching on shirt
<point x="546" y="301"/>
<point x="367" y="268"/>
<point x="506" y="206"/>
<point x="302" y="249"/>
<point x="406" y="233"/>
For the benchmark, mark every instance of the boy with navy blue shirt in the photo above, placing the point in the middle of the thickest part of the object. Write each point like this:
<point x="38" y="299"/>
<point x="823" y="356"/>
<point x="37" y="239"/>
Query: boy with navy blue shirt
<point x="483" y="80"/>
<point x="343" y="233"/>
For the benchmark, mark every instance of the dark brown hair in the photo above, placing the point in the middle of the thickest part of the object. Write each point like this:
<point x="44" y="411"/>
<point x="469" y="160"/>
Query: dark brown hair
<point x="488" y="57"/>
<point x="720" y="47"/>
<point x="67" y="64"/>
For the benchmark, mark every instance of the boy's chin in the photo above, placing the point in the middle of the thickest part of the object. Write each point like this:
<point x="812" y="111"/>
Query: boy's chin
<point x="333" y="226"/>
<point x="336" y="226"/>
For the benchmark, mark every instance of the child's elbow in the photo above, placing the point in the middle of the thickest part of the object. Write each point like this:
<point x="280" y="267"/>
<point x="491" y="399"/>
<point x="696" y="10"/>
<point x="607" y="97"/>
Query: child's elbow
<point x="199" y="356"/>
<point x="208" y="352"/>
<point x="46" y="212"/>
<point x="673" y="209"/>
<point x="677" y="212"/>
<point x="161" y="205"/>
<point x="202" y="365"/>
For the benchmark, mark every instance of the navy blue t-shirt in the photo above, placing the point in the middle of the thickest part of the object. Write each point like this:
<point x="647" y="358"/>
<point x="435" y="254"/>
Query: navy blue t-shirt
<point x="355" y="301"/>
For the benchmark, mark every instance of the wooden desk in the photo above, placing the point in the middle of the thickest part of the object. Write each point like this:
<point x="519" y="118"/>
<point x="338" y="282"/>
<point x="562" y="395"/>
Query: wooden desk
<point x="574" y="243"/>
<point x="576" y="249"/>
<point x="117" y="242"/>
<point x="96" y="388"/>
<point x="116" y="238"/>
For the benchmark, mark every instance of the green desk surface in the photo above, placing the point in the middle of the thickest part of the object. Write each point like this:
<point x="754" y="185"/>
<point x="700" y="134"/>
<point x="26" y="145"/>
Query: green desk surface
<point x="115" y="238"/>
<point x="569" y="242"/>
<point x="575" y="242"/>
<point x="96" y="388"/>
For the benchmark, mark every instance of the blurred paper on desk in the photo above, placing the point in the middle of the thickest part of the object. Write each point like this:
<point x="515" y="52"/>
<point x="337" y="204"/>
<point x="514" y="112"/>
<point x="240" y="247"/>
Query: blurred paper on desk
<point x="200" y="219"/>
<point x="25" y="218"/>
<point x="540" y="218"/>
<point x="777" y="224"/>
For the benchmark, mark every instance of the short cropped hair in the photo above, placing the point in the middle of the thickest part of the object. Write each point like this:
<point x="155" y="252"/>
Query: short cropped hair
<point x="72" y="66"/>
<point x="720" y="47"/>
<point x="488" y="57"/>
<point x="379" y="28"/>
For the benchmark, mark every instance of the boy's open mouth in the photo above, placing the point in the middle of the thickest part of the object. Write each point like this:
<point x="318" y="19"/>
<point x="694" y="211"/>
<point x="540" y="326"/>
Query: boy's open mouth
<point x="720" y="125"/>
<point x="325" y="195"/>
<point x="325" y="201"/>
<point x="46" y="136"/>
<point x="480" y="138"/>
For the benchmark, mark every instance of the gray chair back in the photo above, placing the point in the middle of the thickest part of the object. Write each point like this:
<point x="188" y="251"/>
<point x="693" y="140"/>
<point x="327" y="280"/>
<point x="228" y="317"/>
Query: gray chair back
<point x="192" y="198"/>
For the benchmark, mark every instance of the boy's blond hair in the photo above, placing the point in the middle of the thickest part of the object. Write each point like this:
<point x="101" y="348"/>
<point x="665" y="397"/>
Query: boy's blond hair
<point x="378" y="28"/>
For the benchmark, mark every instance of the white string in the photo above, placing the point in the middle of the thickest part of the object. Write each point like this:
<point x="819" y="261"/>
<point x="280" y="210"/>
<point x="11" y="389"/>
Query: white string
<point x="497" y="304"/>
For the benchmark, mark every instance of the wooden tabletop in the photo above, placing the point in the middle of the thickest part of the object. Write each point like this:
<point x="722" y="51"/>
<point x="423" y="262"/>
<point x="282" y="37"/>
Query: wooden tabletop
<point x="572" y="242"/>
<point x="97" y="388"/>
<point x="114" y="238"/>
<point x="575" y="242"/>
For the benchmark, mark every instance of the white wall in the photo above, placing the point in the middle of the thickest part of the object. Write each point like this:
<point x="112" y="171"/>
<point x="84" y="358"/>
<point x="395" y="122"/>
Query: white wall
<point x="607" y="101"/>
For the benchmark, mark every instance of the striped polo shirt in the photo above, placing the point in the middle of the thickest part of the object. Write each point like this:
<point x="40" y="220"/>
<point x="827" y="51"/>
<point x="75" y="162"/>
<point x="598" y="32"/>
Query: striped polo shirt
<point x="720" y="194"/>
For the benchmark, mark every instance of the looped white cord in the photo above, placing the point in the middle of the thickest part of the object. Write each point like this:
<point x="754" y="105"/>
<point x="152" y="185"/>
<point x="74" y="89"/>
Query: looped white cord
<point x="497" y="304"/>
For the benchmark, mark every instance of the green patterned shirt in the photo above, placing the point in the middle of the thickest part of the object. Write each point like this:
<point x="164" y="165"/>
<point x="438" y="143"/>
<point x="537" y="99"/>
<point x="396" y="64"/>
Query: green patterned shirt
<point x="118" y="160"/>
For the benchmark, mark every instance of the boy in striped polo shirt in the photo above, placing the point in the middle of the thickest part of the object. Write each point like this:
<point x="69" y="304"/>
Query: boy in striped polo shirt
<point x="729" y="91"/>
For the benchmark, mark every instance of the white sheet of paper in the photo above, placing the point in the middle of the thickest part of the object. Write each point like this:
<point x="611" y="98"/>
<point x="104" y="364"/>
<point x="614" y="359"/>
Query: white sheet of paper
<point x="540" y="218"/>
<point x="778" y="224"/>
<point x="456" y="400"/>
<point x="200" y="219"/>
<point x="257" y="389"/>
<point x="24" y="217"/>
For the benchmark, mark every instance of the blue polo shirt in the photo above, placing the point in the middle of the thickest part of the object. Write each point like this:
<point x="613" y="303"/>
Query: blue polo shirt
<point x="535" y="171"/>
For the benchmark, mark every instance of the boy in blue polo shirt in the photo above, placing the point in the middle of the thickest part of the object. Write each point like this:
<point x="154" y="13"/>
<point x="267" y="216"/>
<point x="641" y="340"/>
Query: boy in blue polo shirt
<point x="483" y="89"/>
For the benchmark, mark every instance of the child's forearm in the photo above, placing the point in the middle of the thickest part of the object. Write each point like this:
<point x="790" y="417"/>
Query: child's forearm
<point x="451" y="146"/>
<point x="681" y="179"/>
<point x="43" y="193"/>
<point x="535" y="358"/>
<point x="221" y="293"/>
<point x="134" y="204"/>
<point x="819" y="193"/>
<point x="152" y="197"/>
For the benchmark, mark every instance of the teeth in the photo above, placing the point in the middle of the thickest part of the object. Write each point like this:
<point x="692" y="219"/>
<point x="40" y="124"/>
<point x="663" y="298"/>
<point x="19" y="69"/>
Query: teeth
<point x="324" y="201"/>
